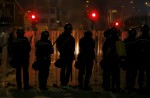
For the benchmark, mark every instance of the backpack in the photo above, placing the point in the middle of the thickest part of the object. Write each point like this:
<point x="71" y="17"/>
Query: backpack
<point x="120" y="48"/>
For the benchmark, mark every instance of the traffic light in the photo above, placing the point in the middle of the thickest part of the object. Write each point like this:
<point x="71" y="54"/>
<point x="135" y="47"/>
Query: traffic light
<point x="117" y="24"/>
<point x="93" y="15"/>
<point x="33" y="16"/>
<point x="33" y="19"/>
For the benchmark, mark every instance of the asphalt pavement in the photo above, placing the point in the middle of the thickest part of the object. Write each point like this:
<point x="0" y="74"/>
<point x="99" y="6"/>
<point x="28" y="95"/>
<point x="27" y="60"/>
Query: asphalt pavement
<point x="73" y="92"/>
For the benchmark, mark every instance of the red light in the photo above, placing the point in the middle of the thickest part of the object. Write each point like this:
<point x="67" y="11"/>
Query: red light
<point x="33" y="16"/>
<point x="93" y="15"/>
<point x="116" y="23"/>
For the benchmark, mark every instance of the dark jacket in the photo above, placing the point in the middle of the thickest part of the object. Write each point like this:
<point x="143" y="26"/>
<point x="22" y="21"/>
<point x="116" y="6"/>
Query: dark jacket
<point x="110" y="56"/>
<point x="143" y="49"/>
<point x="66" y="45"/>
<point x="44" y="49"/>
<point x="21" y="49"/>
<point x="131" y="51"/>
<point x="87" y="46"/>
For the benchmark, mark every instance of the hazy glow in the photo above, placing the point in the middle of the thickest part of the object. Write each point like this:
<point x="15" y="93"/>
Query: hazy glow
<point x="77" y="48"/>
<point x="33" y="16"/>
<point x="93" y="15"/>
<point x="146" y="3"/>
<point x="131" y="1"/>
<point x="87" y="1"/>
<point x="117" y="23"/>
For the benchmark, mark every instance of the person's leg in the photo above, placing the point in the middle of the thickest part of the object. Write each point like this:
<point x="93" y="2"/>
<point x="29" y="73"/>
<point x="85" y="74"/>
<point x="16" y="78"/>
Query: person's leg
<point x="128" y="79"/>
<point x="106" y="79"/>
<point x="141" y="78"/>
<point x="134" y="74"/>
<point x="148" y="78"/>
<point x="68" y="72"/>
<point x="40" y="78"/>
<point x="43" y="76"/>
<point x="18" y="76"/>
<point x="80" y="77"/>
<point x="88" y="74"/>
<point x="116" y="79"/>
<point x="62" y="75"/>
<point x="26" y="77"/>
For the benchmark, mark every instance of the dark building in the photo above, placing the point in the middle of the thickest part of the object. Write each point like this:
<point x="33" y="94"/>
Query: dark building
<point x="11" y="12"/>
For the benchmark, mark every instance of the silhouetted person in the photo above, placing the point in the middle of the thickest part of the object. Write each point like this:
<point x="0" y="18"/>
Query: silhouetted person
<point x="131" y="59"/>
<point x="44" y="50"/>
<point x="66" y="47"/>
<point x="110" y="61"/>
<point x="86" y="57"/>
<point x="11" y="37"/>
<point x="20" y="58"/>
<point x="143" y="47"/>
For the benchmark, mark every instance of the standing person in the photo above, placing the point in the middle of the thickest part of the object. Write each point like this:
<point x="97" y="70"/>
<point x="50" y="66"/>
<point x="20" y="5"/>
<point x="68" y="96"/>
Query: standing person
<point x="110" y="61"/>
<point x="86" y="57"/>
<point x="11" y="37"/>
<point x="143" y="47"/>
<point x="131" y="58"/>
<point x="66" y="46"/>
<point x="20" y="58"/>
<point x="43" y="53"/>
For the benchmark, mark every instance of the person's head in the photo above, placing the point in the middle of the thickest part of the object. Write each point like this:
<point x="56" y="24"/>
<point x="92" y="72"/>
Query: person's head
<point x="145" y="29"/>
<point x="132" y="33"/>
<point x="20" y="32"/>
<point x="107" y="33"/>
<point x="112" y="33"/>
<point x="45" y="35"/>
<point x="87" y="34"/>
<point x="68" y="27"/>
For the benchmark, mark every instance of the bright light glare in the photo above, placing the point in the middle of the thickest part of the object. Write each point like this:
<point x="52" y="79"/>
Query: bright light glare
<point x="93" y="15"/>
<point x="146" y="3"/>
<point x="33" y="16"/>
<point x="117" y="23"/>
<point x="87" y="1"/>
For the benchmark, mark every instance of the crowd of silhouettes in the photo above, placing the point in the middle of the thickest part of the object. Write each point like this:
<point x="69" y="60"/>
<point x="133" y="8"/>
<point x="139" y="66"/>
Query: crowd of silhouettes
<point x="143" y="55"/>
<point x="134" y="61"/>
<point x="138" y="54"/>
